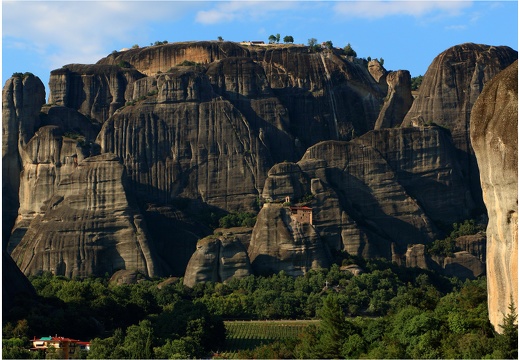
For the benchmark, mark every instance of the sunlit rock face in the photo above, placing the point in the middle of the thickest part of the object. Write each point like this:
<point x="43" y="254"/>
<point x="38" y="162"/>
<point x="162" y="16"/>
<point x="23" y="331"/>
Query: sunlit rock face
<point x="494" y="136"/>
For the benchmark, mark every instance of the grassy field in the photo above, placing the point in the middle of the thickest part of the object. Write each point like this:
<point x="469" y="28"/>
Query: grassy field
<point x="242" y="335"/>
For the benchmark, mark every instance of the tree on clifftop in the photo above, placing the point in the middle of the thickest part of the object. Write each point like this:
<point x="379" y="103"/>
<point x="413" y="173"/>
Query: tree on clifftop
<point x="288" y="39"/>
<point x="349" y="51"/>
<point x="272" y="39"/>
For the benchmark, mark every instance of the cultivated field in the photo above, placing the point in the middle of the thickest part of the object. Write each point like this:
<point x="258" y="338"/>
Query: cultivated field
<point x="242" y="335"/>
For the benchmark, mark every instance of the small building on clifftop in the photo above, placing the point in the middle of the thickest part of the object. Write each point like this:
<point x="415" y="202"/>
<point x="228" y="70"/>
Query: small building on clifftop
<point x="301" y="214"/>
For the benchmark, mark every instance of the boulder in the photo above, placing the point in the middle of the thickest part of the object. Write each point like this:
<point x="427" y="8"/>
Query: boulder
<point x="217" y="259"/>
<point x="494" y="136"/>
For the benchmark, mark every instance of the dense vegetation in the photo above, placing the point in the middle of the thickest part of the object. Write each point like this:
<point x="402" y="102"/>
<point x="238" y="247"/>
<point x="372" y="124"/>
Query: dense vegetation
<point x="386" y="312"/>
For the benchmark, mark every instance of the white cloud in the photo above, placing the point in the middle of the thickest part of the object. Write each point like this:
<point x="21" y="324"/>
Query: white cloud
<point x="456" y="27"/>
<point x="81" y="31"/>
<point x="241" y="11"/>
<point x="380" y="9"/>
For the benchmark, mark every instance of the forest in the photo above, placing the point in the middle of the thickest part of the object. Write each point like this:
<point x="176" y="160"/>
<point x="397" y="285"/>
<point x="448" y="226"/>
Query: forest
<point x="388" y="311"/>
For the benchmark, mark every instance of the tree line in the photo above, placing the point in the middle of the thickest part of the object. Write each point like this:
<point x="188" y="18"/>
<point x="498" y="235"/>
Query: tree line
<point x="388" y="311"/>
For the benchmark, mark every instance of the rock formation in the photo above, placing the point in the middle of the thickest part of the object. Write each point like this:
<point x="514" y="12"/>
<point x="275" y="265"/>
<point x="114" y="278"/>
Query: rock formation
<point x="90" y="227"/>
<point x="494" y="136"/>
<point x="217" y="259"/>
<point x="96" y="91"/>
<point x="397" y="101"/>
<point x="448" y="91"/>
<point x="204" y="128"/>
<point x="281" y="243"/>
<point x="22" y="99"/>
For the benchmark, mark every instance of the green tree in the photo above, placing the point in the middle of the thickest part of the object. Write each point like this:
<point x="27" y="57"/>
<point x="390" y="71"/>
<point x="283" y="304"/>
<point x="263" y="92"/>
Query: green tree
<point x="288" y="39"/>
<point x="272" y="39"/>
<point x="509" y="339"/>
<point x="416" y="82"/>
<point x="220" y="38"/>
<point x="139" y="340"/>
<point x="349" y="51"/>
<point x="332" y="327"/>
<point x="277" y="38"/>
<point x="328" y="44"/>
<point x="312" y="42"/>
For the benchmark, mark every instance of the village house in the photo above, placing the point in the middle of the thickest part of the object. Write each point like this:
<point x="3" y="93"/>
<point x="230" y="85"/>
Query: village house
<point x="68" y="346"/>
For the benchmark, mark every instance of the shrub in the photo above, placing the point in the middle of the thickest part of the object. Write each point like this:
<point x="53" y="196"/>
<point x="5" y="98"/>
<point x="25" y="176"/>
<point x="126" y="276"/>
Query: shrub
<point x="188" y="63"/>
<point x="124" y="64"/>
<point x="238" y="219"/>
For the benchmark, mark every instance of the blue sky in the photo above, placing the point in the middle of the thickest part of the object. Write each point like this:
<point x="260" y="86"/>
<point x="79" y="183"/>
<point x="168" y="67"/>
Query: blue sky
<point x="39" y="36"/>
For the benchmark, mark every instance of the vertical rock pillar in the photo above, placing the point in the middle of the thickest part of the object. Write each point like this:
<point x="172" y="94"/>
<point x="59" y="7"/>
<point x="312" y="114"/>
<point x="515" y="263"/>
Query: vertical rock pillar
<point x="494" y="137"/>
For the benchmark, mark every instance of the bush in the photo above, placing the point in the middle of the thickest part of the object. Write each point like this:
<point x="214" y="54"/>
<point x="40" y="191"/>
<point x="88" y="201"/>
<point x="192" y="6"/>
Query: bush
<point x="349" y="51"/>
<point x="124" y="64"/>
<point x="238" y="219"/>
<point x="188" y="63"/>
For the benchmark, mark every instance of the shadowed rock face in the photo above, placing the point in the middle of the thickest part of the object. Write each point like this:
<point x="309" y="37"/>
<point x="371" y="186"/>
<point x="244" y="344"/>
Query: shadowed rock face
<point x="218" y="260"/>
<point x="494" y="136"/>
<point x="397" y="101"/>
<point x="449" y="89"/>
<point x="14" y="284"/>
<point x="281" y="243"/>
<point x="89" y="227"/>
<point x="375" y="195"/>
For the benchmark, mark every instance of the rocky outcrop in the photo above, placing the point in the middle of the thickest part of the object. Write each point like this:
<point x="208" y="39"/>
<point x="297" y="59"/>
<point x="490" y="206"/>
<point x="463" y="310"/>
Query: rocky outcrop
<point x="217" y="259"/>
<point x="89" y="227"/>
<point x="398" y="100"/>
<point x="461" y="264"/>
<point x="22" y="99"/>
<point x="494" y="136"/>
<point x="96" y="91"/>
<point x="448" y="91"/>
<point x="151" y="60"/>
<point x="281" y="243"/>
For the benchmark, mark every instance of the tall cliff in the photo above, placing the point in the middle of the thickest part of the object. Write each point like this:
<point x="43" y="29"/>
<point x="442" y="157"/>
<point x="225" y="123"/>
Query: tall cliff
<point x="448" y="91"/>
<point x="89" y="227"/>
<point x="22" y="98"/>
<point x="494" y="136"/>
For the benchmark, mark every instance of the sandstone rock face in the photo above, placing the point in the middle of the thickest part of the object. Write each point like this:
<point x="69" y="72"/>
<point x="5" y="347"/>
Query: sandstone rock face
<point x="193" y="150"/>
<point x="46" y="159"/>
<point x="153" y="59"/>
<point x="89" y="227"/>
<point x="379" y="73"/>
<point x="398" y="100"/>
<point x="22" y="99"/>
<point x="449" y="89"/>
<point x="281" y="243"/>
<point x="96" y="91"/>
<point x="426" y="165"/>
<point x="326" y="97"/>
<point x="494" y="129"/>
<point x="218" y="260"/>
